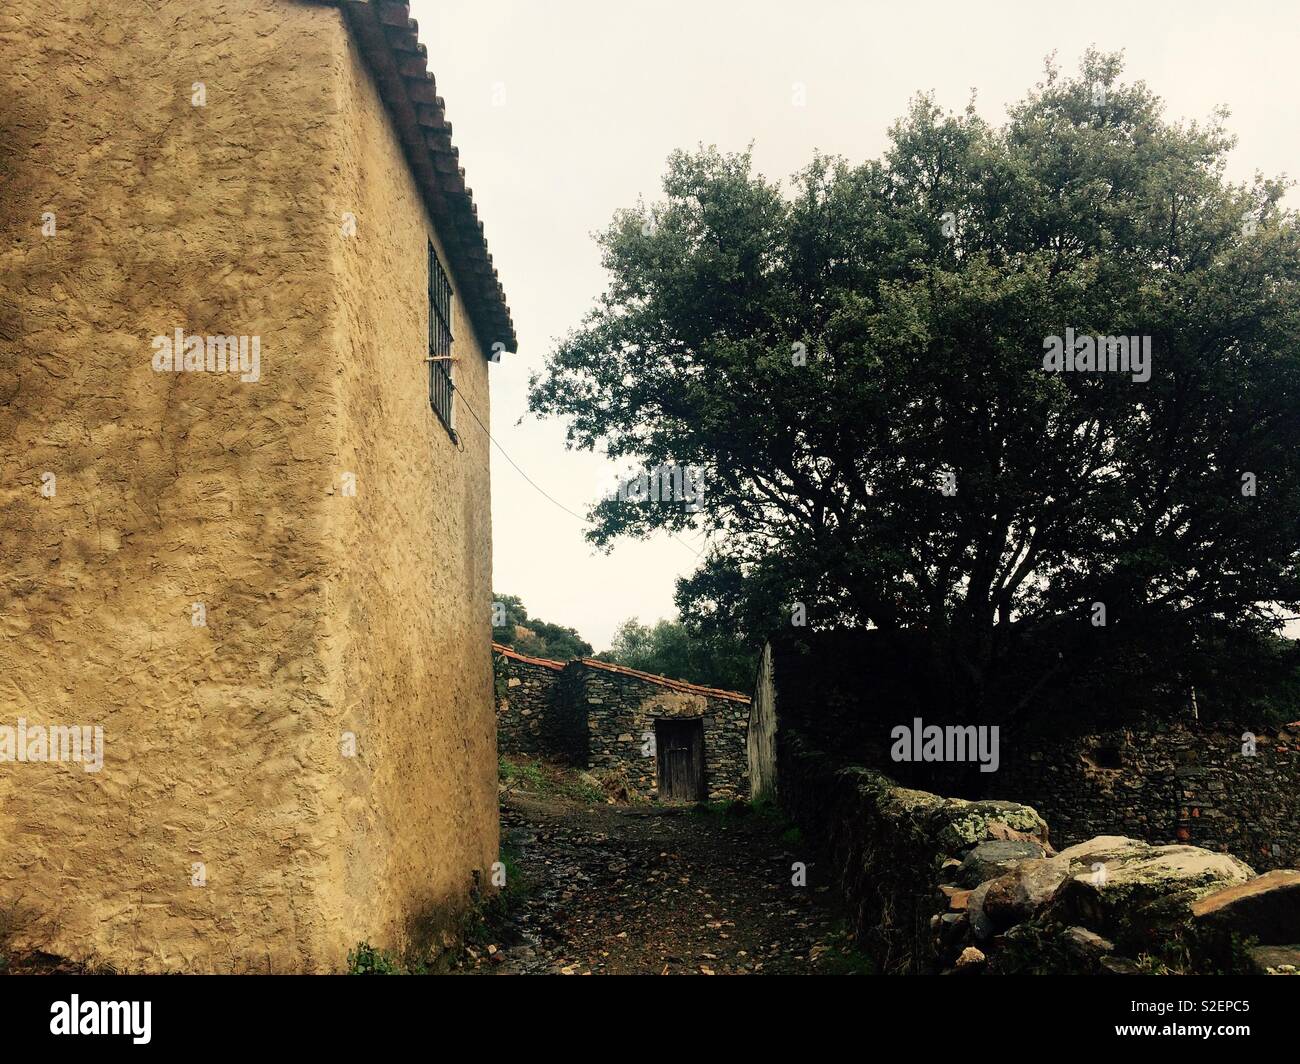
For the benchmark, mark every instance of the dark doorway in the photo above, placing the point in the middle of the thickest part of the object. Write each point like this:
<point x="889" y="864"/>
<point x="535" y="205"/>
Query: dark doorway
<point x="680" y="748"/>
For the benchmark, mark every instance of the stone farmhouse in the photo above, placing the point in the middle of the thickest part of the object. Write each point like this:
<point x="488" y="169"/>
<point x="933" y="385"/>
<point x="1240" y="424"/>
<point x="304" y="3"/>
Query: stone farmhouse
<point x="665" y="739"/>
<point x="246" y="316"/>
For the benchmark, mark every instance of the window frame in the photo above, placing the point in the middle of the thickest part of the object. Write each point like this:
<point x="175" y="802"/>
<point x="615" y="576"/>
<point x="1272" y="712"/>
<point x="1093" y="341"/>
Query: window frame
<point x="442" y="384"/>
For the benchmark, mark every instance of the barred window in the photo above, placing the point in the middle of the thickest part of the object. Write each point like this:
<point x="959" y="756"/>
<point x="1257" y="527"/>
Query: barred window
<point x="440" y="383"/>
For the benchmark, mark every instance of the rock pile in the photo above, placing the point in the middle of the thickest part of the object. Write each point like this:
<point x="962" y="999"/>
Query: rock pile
<point x="942" y="884"/>
<point x="1112" y="904"/>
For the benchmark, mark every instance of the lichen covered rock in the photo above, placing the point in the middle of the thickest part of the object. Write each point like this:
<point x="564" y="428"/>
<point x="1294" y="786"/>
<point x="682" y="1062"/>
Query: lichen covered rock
<point x="959" y="824"/>
<point x="991" y="859"/>
<point x="1019" y="893"/>
<point x="1127" y="888"/>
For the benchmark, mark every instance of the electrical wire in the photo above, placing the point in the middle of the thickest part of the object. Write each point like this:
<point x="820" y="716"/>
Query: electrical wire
<point x="538" y="487"/>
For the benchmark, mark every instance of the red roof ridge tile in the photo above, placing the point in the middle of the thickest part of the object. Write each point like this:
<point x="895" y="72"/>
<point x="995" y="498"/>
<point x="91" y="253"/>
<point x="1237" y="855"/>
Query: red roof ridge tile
<point x="609" y="666"/>
<point x="509" y="652"/>
<point x="666" y="681"/>
<point x="388" y="39"/>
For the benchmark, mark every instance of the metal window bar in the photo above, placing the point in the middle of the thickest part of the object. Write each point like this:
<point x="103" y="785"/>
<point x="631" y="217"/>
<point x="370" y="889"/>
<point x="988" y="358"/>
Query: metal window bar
<point x="440" y="340"/>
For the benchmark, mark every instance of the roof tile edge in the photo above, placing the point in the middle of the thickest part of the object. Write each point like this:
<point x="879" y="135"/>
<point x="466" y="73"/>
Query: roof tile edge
<point x="666" y="681"/>
<point x="623" y="670"/>
<point x="510" y="652"/>
<point x="388" y="39"/>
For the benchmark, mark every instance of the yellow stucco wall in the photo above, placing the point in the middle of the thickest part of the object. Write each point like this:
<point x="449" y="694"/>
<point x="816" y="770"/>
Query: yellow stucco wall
<point x="415" y="622"/>
<point x="325" y="613"/>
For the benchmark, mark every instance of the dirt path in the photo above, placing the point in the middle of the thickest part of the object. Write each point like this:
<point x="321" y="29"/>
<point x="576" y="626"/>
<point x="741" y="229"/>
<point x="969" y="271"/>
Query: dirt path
<point x="630" y="890"/>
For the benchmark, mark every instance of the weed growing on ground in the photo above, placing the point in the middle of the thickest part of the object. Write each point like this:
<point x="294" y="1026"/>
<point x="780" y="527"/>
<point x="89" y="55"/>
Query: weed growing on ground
<point x="548" y="780"/>
<point x="366" y="960"/>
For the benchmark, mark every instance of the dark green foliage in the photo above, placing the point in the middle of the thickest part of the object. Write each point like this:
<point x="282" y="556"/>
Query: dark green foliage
<point x="541" y="639"/>
<point x="708" y="657"/>
<point x="366" y="960"/>
<point x="921" y="287"/>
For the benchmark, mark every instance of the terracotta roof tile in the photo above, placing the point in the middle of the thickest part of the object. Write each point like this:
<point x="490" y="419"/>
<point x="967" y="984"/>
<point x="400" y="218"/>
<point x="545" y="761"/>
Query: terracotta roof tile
<point x="389" y="40"/>
<point x="623" y="670"/>
<point x="509" y="653"/>
<point x="676" y="685"/>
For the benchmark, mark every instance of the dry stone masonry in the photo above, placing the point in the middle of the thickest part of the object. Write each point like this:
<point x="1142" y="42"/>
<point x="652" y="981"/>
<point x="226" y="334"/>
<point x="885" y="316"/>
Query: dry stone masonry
<point x="1208" y="785"/>
<point x="623" y="724"/>
<point x="624" y="708"/>
<point x="1233" y="788"/>
<point x="946" y="885"/>
<point x="937" y="884"/>
<point x="531" y="719"/>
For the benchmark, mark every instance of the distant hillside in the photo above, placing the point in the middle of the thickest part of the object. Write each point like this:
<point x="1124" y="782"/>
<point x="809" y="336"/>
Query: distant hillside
<point x="512" y="627"/>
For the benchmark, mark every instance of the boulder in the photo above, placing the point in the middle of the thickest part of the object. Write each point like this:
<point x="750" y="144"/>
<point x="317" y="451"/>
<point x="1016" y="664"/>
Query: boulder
<point x="1018" y="894"/>
<point x="980" y="925"/>
<point x="1102" y="847"/>
<point x="1127" y="888"/>
<point x="1086" y="944"/>
<point x="958" y="825"/>
<point x="998" y="830"/>
<point x="991" y="859"/>
<point x="1120" y="966"/>
<point x="1275" y="960"/>
<point x="956" y="898"/>
<point x="952" y="927"/>
<point x="971" y="959"/>
<point x="1267" y="907"/>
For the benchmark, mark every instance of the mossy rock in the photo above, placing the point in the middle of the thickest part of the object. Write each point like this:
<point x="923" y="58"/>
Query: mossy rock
<point x="959" y="825"/>
<point x="1133" y="891"/>
<point x="994" y="858"/>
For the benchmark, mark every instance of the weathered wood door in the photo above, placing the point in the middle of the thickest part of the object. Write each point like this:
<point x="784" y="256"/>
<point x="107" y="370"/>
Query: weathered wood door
<point x="679" y="745"/>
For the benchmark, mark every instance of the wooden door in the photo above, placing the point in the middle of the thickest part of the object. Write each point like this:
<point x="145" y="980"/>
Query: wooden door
<point x="679" y="746"/>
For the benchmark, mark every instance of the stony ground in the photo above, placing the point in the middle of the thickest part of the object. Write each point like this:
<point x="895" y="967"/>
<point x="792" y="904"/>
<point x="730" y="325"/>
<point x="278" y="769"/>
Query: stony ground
<point x="616" y="889"/>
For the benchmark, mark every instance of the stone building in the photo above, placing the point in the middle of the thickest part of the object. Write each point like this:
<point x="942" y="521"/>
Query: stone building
<point x="245" y="307"/>
<point x="531" y="717"/>
<point x="665" y="739"/>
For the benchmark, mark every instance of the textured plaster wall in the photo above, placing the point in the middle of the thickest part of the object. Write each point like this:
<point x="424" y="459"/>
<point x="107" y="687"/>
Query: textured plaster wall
<point x="760" y="741"/>
<point x="414" y="591"/>
<point x="325" y="613"/>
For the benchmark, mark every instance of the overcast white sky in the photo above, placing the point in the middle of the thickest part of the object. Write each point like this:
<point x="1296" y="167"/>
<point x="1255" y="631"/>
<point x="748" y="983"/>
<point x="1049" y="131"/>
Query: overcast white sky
<point x="567" y="110"/>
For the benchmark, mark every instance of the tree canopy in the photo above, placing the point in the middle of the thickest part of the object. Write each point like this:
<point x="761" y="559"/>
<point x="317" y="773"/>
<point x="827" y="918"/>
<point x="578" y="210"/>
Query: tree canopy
<point x="669" y="648"/>
<point x="857" y="362"/>
<point x="536" y="638"/>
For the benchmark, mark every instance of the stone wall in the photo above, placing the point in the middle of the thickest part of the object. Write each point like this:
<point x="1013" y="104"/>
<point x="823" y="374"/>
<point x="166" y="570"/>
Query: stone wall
<point x="622" y="708"/>
<point x="534" y="718"/>
<point x="1163" y="782"/>
<point x="937" y="884"/>
<point x="602" y="717"/>
<point x="1176" y="783"/>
